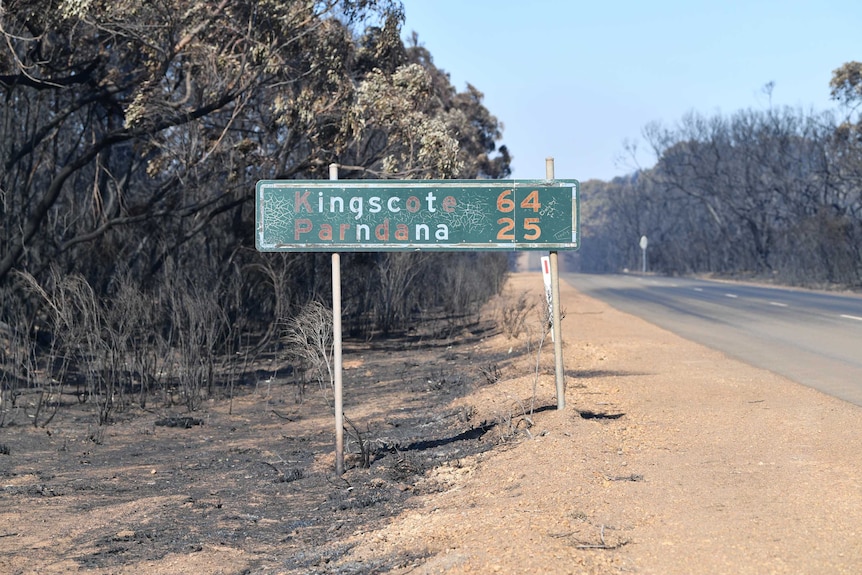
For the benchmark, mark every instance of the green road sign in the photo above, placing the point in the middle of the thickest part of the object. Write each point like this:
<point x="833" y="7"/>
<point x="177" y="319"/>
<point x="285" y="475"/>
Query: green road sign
<point x="394" y="215"/>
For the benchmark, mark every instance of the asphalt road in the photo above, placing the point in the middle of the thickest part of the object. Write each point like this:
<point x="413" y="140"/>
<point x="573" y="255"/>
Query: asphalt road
<point x="813" y="338"/>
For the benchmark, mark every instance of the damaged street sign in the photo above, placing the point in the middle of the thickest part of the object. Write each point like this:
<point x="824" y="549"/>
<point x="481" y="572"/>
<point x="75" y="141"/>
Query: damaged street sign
<point x="392" y="215"/>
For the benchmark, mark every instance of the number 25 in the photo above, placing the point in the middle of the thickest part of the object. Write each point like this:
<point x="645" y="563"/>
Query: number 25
<point x="507" y="229"/>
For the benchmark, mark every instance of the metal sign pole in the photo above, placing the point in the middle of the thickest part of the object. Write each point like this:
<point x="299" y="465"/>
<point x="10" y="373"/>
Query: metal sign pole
<point x="336" y="350"/>
<point x="555" y="304"/>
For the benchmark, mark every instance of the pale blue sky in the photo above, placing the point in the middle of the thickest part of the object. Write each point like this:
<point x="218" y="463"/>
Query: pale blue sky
<point x="576" y="80"/>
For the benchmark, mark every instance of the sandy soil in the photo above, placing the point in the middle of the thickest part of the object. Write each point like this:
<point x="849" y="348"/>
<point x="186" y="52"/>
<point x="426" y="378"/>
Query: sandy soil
<point x="669" y="458"/>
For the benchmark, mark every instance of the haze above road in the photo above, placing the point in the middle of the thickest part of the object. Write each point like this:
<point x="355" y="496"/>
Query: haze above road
<point x="813" y="338"/>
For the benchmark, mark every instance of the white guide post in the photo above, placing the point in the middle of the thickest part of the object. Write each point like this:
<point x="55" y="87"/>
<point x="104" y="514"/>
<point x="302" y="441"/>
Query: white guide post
<point x="555" y="304"/>
<point x="546" y="278"/>
<point x="643" y="244"/>
<point x="336" y="350"/>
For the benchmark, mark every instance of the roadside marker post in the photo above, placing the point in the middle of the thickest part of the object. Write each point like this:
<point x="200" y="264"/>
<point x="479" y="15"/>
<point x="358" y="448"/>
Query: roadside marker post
<point x="417" y="215"/>
<point x="546" y="278"/>
<point x="643" y="243"/>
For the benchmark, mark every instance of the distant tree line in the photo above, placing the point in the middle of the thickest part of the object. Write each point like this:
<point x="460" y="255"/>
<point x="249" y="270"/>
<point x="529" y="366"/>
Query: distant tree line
<point x="774" y="193"/>
<point x="132" y="133"/>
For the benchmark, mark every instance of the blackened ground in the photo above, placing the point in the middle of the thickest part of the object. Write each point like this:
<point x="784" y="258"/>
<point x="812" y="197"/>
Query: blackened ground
<point x="253" y="473"/>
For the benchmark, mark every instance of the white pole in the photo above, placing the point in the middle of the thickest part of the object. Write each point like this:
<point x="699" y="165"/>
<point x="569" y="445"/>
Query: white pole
<point x="643" y="244"/>
<point x="555" y="304"/>
<point x="336" y="350"/>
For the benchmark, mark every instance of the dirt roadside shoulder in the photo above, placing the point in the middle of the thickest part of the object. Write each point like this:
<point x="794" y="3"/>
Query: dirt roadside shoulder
<point x="669" y="458"/>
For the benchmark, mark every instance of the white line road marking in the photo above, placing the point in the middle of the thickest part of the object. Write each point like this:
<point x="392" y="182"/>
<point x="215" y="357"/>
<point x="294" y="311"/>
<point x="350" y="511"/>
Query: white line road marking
<point x="856" y="317"/>
<point x="731" y="295"/>
<point x="698" y="289"/>
<point x="778" y="304"/>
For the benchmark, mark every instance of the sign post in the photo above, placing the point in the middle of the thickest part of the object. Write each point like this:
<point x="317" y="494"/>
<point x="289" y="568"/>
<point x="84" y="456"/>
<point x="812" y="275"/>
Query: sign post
<point x="560" y="374"/>
<point x="410" y="215"/>
<point x="338" y="395"/>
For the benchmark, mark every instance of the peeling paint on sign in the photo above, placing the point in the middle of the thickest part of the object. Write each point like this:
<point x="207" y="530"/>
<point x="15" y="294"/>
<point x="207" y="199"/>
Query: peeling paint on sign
<point x="392" y="215"/>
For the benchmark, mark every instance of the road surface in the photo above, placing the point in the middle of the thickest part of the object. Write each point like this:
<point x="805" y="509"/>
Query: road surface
<point x="813" y="338"/>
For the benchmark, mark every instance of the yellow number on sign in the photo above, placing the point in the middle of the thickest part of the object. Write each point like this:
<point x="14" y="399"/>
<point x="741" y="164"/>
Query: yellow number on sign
<point x="532" y="201"/>
<point x="505" y="204"/>
<point x="507" y="231"/>
<point x="532" y="224"/>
